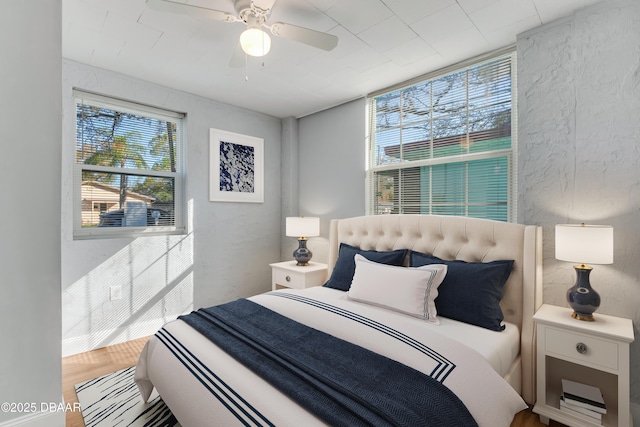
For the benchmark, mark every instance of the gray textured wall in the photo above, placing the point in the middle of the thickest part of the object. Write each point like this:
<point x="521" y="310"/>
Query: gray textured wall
<point x="290" y="182"/>
<point x="579" y="147"/>
<point x="225" y="254"/>
<point x="331" y="169"/>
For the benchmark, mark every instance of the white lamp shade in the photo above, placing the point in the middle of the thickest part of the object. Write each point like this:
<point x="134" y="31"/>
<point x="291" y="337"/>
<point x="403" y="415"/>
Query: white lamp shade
<point x="586" y="244"/>
<point x="303" y="226"/>
<point x="255" y="42"/>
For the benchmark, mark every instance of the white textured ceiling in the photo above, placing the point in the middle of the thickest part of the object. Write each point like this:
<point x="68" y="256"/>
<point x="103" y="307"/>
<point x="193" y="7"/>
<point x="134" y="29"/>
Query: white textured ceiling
<point x="381" y="43"/>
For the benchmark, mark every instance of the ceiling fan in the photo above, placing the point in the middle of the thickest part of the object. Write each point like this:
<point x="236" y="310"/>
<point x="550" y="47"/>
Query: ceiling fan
<point x="254" y="14"/>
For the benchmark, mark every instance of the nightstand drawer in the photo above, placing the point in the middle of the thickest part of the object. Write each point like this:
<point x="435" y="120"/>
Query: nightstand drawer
<point x="290" y="279"/>
<point x="582" y="347"/>
<point x="289" y="275"/>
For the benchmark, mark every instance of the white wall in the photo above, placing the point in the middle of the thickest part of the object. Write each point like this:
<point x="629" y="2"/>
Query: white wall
<point x="30" y="133"/>
<point x="224" y="255"/>
<point x="579" y="136"/>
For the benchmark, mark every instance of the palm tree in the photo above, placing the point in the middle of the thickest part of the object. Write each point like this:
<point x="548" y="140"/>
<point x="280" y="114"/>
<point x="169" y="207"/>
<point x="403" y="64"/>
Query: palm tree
<point x="123" y="151"/>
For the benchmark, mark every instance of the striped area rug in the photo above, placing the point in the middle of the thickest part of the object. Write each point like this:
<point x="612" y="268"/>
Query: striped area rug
<point x="114" y="400"/>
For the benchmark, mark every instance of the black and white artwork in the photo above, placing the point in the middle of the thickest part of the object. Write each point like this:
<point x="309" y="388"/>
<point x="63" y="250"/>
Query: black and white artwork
<point x="236" y="167"/>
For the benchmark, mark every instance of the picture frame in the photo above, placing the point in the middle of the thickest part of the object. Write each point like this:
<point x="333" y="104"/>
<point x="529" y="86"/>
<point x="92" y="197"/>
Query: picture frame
<point x="236" y="167"/>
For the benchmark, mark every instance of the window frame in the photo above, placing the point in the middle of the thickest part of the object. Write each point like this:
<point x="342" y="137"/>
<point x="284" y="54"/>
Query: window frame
<point x="112" y="103"/>
<point x="371" y="202"/>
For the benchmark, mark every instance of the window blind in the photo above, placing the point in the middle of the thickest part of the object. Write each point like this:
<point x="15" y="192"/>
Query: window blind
<point x="446" y="145"/>
<point x="128" y="173"/>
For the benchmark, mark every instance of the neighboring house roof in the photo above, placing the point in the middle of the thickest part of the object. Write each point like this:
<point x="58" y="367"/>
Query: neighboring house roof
<point x="116" y="190"/>
<point x="501" y="132"/>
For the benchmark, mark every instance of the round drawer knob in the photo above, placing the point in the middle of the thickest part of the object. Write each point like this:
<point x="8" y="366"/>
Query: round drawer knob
<point x="581" y="348"/>
<point x="288" y="278"/>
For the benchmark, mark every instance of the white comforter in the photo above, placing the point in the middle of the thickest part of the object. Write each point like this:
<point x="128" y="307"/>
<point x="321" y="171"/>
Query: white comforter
<point x="203" y="386"/>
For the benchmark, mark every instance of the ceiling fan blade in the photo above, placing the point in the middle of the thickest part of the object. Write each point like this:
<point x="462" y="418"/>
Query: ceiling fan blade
<point x="239" y="58"/>
<point x="187" y="9"/>
<point x="307" y="36"/>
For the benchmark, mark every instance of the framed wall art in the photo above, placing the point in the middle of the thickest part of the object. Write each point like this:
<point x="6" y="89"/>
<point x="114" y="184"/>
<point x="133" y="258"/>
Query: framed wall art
<point x="236" y="167"/>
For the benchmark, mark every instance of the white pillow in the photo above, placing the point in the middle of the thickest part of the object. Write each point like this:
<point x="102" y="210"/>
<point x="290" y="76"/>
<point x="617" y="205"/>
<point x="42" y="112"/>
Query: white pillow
<point x="409" y="290"/>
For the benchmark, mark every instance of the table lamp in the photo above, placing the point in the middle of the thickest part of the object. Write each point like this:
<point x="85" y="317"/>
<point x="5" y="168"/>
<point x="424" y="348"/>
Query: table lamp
<point x="585" y="244"/>
<point x="302" y="227"/>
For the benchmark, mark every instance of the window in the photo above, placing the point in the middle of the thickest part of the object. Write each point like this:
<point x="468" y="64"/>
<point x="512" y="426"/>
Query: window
<point x="128" y="169"/>
<point x="446" y="145"/>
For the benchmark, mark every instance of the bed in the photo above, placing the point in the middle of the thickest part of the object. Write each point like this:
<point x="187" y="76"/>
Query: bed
<point x="204" y="385"/>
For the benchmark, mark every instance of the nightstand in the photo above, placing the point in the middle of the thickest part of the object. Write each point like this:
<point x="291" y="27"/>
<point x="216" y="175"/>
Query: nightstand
<point x="594" y="353"/>
<point x="289" y="275"/>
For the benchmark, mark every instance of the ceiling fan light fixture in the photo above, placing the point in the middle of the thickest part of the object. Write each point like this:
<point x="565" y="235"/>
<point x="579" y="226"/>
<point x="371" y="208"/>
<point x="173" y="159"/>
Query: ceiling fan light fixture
<point x="255" y="42"/>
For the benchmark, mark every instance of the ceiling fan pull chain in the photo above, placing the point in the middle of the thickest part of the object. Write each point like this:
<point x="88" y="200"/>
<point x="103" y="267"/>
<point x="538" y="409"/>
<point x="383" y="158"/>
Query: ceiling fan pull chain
<point x="246" y="67"/>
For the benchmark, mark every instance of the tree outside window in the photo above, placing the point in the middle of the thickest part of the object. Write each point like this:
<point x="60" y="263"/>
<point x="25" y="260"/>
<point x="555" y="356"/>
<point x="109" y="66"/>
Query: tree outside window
<point x="127" y="163"/>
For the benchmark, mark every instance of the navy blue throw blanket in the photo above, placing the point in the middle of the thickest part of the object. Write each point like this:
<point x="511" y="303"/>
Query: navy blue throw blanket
<point x="340" y="382"/>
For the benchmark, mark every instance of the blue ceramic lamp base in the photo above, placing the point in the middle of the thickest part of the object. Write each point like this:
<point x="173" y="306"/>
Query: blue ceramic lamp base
<point x="302" y="254"/>
<point x="582" y="297"/>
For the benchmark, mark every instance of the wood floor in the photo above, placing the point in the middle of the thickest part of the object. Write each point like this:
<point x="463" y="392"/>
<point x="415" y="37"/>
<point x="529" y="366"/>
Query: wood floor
<point x="85" y="366"/>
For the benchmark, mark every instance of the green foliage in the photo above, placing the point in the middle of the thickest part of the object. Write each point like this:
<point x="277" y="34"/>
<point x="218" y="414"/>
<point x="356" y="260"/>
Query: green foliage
<point x="133" y="142"/>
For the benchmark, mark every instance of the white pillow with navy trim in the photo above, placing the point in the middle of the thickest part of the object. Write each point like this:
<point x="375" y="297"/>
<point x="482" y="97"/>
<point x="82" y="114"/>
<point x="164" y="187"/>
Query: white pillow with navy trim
<point x="409" y="290"/>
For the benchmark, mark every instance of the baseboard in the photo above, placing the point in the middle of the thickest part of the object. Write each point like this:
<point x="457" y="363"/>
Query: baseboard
<point x="83" y="343"/>
<point x="635" y="414"/>
<point x="37" y="419"/>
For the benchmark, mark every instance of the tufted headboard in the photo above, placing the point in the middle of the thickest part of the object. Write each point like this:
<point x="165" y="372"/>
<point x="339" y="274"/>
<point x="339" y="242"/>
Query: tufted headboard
<point x="467" y="239"/>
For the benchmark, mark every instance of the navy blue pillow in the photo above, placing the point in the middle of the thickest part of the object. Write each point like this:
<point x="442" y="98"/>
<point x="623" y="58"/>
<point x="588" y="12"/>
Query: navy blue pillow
<point x="345" y="267"/>
<point x="471" y="291"/>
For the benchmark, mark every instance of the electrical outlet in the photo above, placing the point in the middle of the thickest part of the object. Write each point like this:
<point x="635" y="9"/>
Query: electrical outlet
<point x="115" y="293"/>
